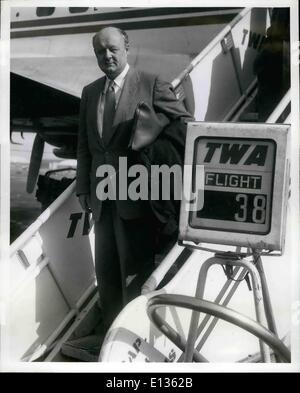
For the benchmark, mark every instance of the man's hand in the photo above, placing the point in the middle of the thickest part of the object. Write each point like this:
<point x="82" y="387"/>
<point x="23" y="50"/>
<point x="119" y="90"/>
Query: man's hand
<point x="85" y="202"/>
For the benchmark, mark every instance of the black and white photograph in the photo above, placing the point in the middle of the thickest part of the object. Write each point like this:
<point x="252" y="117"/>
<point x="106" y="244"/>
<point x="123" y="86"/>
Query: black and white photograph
<point x="149" y="187"/>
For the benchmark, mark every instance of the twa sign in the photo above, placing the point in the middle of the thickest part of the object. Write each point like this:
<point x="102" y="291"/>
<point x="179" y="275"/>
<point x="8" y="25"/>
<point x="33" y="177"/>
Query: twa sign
<point x="245" y="186"/>
<point x="251" y="153"/>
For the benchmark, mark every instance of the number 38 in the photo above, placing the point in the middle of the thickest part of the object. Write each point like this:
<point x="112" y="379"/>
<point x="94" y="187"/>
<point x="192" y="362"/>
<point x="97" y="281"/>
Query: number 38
<point x="258" y="209"/>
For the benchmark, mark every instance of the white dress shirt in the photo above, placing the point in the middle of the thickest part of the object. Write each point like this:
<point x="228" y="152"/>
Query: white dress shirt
<point x="118" y="84"/>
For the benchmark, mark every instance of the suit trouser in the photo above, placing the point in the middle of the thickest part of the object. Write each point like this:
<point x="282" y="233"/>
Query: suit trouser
<point x="122" y="248"/>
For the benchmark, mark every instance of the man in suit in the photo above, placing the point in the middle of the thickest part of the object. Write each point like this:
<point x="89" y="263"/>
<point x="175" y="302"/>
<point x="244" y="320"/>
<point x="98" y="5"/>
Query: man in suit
<point x="124" y="229"/>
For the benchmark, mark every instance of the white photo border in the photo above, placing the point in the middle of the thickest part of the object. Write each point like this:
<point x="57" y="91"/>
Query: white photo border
<point x="5" y="190"/>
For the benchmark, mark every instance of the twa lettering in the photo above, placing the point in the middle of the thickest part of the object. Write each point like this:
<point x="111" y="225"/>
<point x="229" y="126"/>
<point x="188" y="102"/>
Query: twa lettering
<point x="236" y="153"/>
<point x="255" y="40"/>
<point x="75" y="218"/>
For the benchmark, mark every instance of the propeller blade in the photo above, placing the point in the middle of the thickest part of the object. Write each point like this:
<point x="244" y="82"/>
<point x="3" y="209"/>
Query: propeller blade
<point x="35" y="162"/>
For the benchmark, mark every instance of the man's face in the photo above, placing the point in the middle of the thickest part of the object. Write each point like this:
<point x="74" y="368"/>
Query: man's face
<point x="109" y="48"/>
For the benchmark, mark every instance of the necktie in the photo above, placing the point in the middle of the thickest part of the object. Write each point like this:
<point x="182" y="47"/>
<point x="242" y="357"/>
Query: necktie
<point x="109" y="111"/>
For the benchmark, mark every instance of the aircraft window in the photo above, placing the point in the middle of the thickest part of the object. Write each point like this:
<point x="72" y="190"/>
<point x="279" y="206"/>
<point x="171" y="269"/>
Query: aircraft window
<point x="45" y="11"/>
<point x="74" y="10"/>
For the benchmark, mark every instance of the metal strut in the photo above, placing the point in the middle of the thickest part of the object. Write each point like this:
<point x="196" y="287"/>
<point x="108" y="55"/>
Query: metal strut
<point x="263" y="309"/>
<point x="218" y="311"/>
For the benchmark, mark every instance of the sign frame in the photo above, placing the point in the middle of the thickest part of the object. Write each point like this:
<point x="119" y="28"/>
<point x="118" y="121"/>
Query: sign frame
<point x="229" y="232"/>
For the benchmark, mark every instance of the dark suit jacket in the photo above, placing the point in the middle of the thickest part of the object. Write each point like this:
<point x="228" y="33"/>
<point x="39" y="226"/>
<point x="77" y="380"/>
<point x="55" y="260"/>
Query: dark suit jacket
<point x="92" y="152"/>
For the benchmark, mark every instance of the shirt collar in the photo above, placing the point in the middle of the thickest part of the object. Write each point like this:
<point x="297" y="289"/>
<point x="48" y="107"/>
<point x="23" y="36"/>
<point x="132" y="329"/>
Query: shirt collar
<point x="119" y="79"/>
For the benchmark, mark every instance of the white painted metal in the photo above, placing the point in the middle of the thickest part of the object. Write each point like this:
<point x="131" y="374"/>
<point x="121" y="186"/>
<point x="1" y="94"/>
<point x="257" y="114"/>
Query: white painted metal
<point x="280" y="108"/>
<point x="79" y="319"/>
<point x="51" y="278"/>
<point x="221" y="77"/>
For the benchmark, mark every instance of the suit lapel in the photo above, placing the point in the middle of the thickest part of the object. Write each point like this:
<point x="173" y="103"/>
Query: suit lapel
<point x="95" y="97"/>
<point x="127" y="102"/>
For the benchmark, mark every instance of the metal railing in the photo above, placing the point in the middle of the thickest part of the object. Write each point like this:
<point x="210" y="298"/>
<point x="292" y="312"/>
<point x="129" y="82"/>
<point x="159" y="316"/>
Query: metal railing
<point x="216" y="310"/>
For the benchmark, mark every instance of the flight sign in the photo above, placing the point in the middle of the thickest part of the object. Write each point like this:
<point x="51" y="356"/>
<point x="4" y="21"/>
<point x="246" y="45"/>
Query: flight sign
<point x="243" y="186"/>
<point x="238" y="183"/>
